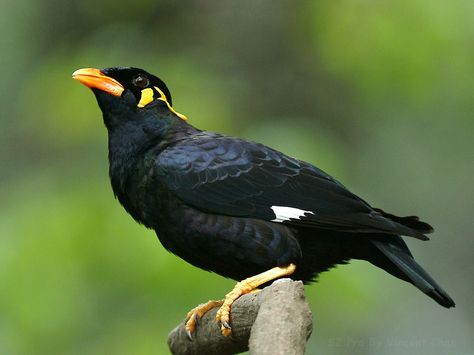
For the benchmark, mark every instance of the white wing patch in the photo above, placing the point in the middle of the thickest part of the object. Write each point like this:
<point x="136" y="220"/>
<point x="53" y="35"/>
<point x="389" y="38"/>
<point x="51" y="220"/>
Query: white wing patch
<point x="283" y="213"/>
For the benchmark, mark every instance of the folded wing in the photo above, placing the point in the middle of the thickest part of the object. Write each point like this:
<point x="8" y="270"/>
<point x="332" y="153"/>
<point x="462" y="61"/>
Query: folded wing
<point x="229" y="176"/>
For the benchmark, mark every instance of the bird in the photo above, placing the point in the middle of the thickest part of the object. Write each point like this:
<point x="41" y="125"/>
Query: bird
<point x="235" y="207"/>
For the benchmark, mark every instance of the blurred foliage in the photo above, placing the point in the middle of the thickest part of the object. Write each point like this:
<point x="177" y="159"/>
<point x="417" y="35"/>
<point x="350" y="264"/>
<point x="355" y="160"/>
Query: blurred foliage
<point x="379" y="94"/>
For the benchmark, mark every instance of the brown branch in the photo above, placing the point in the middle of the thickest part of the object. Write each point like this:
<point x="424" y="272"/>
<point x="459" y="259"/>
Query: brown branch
<point x="275" y="321"/>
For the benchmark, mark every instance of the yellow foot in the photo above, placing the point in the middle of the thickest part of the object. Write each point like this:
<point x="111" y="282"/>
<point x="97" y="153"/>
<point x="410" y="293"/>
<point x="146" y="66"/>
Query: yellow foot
<point x="247" y="286"/>
<point x="194" y="316"/>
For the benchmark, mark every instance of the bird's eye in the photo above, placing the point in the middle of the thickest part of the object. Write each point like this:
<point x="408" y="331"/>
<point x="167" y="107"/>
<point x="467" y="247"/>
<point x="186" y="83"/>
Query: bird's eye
<point x="141" y="81"/>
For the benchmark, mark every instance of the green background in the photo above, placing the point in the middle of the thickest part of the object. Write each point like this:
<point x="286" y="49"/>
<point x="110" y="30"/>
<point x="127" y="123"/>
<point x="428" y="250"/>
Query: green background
<point x="379" y="94"/>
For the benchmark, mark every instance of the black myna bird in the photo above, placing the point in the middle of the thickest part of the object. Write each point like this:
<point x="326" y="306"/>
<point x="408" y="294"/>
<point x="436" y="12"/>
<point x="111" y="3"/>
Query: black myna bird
<point x="235" y="207"/>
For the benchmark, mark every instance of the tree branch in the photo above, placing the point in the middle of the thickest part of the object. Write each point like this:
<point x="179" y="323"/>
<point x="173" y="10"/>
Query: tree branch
<point x="275" y="321"/>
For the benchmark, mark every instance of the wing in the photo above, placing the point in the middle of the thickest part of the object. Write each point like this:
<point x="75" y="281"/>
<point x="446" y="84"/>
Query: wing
<point x="225" y="175"/>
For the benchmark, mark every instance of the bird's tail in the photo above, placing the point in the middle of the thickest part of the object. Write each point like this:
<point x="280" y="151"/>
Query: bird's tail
<point x="395" y="258"/>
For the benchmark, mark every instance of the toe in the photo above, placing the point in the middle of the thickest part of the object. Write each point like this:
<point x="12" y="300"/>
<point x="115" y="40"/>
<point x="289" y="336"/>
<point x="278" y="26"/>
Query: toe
<point x="223" y="317"/>
<point x="191" y="323"/>
<point x="193" y="318"/>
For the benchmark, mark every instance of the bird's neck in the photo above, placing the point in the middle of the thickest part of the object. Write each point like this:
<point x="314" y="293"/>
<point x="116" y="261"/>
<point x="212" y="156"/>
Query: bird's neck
<point x="133" y="144"/>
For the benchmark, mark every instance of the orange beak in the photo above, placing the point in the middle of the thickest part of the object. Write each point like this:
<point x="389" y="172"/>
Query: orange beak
<point x="95" y="79"/>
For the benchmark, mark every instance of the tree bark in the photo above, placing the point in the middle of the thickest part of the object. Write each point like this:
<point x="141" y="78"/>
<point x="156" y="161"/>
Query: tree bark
<point x="275" y="321"/>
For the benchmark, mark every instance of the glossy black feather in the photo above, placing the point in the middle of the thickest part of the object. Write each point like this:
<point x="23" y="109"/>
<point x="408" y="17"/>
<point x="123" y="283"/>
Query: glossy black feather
<point x="220" y="174"/>
<point x="209" y="197"/>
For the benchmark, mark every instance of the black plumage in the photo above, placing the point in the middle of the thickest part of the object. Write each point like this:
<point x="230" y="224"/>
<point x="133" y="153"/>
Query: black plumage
<point x="236" y="207"/>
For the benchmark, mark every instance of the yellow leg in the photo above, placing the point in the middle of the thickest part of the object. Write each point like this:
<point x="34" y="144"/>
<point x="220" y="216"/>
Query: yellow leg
<point x="247" y="286"/>
<point x="194" y="315"/>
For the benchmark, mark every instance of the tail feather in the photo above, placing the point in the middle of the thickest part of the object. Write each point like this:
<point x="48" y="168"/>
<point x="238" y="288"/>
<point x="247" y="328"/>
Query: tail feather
<point x="412" y="222"/>
<point x="402" y="265"/>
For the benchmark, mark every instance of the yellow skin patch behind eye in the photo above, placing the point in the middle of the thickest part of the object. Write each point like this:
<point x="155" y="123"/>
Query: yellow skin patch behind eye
<point x="148" y="96"/>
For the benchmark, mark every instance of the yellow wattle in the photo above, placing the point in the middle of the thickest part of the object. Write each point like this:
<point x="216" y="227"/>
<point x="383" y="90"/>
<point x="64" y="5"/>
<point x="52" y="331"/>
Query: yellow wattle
<point x="148" y="95"/>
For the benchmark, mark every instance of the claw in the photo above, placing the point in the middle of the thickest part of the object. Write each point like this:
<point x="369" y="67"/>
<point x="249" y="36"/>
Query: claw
<point x="225" y="324"/>
<point x="189" y="335"/>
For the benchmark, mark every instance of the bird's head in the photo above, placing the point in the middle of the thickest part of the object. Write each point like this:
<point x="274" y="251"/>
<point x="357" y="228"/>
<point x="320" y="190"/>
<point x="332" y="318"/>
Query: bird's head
<point x="125" y="91"/>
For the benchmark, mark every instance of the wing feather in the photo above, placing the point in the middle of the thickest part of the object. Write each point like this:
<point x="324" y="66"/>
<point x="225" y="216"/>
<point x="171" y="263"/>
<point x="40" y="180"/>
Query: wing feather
<point x="226" y="175"/>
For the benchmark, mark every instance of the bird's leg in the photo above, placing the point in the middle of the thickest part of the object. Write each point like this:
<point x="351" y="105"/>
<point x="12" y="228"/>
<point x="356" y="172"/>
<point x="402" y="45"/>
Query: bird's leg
<point x="247" y="286"/>
<point x="194" y="315"/>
